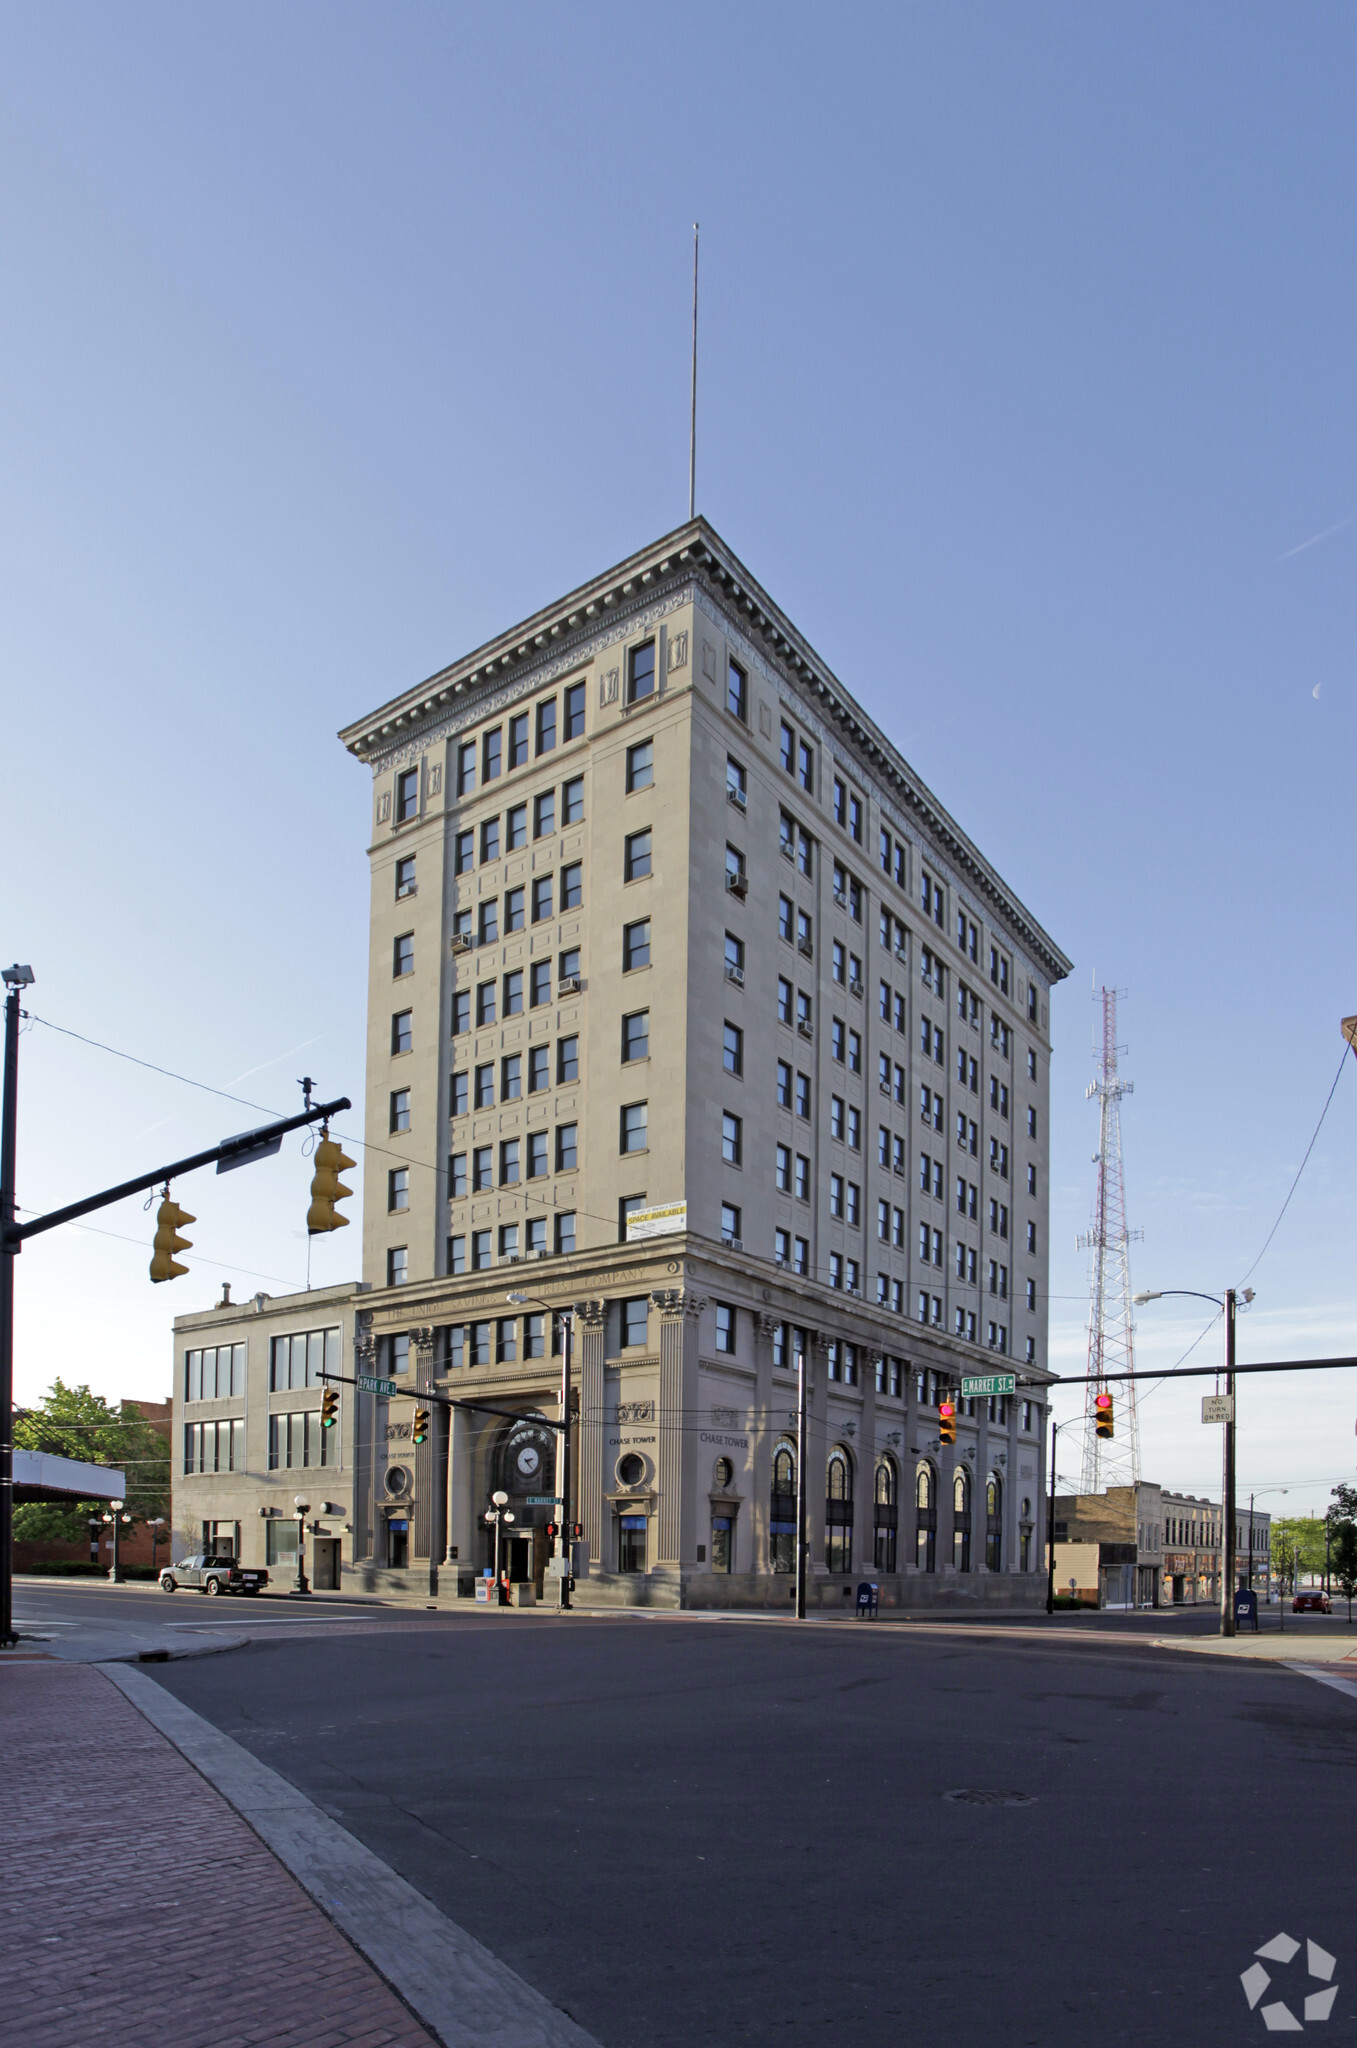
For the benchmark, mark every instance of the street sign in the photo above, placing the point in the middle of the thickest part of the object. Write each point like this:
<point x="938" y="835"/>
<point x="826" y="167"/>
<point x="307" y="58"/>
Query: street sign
<point x="1217" y="1408"/>
<point x="978" y="1385"/>
<point x="546" y="1500"/>
<point x="371" y="1385"/>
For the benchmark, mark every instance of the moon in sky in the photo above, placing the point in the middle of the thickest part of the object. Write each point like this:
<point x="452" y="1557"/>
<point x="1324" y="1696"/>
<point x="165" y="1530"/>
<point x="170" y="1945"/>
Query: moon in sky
<point x="1315" y="691"/>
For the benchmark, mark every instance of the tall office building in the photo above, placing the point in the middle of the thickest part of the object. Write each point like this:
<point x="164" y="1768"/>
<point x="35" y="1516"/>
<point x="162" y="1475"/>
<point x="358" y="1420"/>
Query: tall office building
<point x="692" y="1011"/>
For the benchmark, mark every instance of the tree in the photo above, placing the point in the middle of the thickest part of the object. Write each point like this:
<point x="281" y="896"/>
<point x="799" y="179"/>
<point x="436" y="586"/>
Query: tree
<point x="1297" y="1546"/>
<point x="1343" y="1559"/>
<point x="71" y="1422"/>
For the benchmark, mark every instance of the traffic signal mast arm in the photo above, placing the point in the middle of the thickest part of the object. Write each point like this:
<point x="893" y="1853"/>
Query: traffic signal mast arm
<point x="443" y="1400"/>
<point x="1191" y="1372"/>
<point x="237" y="1149"/>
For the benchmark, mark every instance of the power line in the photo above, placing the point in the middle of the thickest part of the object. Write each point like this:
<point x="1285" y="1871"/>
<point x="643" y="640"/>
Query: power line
<point x="1304" y="1162"/>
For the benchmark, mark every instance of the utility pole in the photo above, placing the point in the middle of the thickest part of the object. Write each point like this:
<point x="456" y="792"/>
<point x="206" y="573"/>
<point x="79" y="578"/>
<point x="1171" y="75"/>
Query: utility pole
<point x="567" y="1491"/>
<point x="1227" y="1589"/>
<point x="1050" y="1530"/>
<point x="15" y="978"/>
<point x="801" y="1543"/>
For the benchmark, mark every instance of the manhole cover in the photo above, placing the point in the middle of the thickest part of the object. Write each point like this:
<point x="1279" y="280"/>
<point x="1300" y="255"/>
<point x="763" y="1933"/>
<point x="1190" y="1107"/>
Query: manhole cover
<point x="974" y="1795"/>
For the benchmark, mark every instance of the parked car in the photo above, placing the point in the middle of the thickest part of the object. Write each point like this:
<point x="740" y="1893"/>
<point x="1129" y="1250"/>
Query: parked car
<point x="212" y="1575"/>
<point x="1312" y="1603"/>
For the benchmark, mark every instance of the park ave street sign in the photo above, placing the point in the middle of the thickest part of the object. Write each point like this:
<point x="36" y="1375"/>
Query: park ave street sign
<point x="370" y="1385"/>
<point x="979" y="1385"/>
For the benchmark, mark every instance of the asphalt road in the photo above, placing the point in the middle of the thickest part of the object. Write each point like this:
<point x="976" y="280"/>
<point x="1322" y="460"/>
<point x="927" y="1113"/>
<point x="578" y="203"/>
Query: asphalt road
<point x="687" y="1831"/>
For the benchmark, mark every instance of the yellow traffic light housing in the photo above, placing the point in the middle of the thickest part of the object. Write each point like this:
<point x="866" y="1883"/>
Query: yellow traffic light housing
<point x="329" y="1408"/>
<point x="326" y="1186"/>
<point x="421" y="1428"/>
<point x="947" y="1421"/>
<point x="1103" y="1415"/>
<point x="170" y="1219"/>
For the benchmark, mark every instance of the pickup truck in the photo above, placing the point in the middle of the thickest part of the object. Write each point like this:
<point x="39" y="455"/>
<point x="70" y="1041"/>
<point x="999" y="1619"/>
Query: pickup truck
<point x="212" y="1575"/>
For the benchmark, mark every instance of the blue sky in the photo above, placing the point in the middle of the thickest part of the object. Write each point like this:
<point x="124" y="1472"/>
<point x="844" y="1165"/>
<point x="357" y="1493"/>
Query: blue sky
<point x="338" y="337"/>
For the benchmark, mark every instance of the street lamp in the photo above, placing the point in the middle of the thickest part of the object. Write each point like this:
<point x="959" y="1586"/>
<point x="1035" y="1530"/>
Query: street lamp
<point x="156" y="1526"/>
<point x="499" y="1511"/>
<point x="563" y="1475"/>
<point x="115" y="1577"/>
<point x="1232" y="1296"/>
<point x="303" y="1507"/>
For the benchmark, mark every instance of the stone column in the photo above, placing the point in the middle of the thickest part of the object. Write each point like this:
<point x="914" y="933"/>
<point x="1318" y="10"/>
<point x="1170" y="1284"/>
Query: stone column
<point x="590" y="1319"/>
<point x="816" y="1448"/>
<point x="864" y="1500"/>
<point x="676" y="1512"/>
<point x="763" y="1434"/>
<point x="979" y="1517"/>
<point x="1013" y="1487"/>
<point x="461" y="1503"/>
<point x="364" y="1444"/>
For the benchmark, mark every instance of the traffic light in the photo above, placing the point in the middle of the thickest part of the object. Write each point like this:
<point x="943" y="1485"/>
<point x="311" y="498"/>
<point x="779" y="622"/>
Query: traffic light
<point x="326" y="1186"/>
<point x="1103" y="1411"/>
<point x="947" y="1421"/>
<point x="168" y="1222"/>
<point x="552" y="1532"/>
<point x="421" y="1428"/>
<point x="329" y="1408"/>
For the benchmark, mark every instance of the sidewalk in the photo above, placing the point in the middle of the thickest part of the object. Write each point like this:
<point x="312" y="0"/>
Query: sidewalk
<point x="141" y="1912"/>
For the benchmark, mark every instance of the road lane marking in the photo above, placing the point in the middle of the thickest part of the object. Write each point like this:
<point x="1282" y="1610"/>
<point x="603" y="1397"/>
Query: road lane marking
<point x="1346" y="1685"/>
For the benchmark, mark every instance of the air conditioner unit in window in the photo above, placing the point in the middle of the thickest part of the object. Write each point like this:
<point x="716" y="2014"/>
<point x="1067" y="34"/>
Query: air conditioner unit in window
<point x="778" y="1259"/>
<point x="462" y="942"/>
<point x="736" y="884"/>
<point x="841" y="899"/>
<point x="855" y="988"/>
<point x="883" y="1088"/>
<point x="806" y="1030"/>
<point x="806" y="946"/>
<point x="568" y="985"/>
<point x="733" y="1244"/>
<point x="735" y="974"/>
<point x="542" y="1254"/>
<point x="736" y="797"/>
<point x="901" y="953"/>
<point x="787" y="852"/>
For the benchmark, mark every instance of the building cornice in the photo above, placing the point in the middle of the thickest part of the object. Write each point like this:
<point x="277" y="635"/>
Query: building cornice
<point x="566" y="633"/>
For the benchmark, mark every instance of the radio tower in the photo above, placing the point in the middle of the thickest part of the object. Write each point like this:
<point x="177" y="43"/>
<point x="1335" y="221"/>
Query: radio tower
<point x="1114" y="1463"/>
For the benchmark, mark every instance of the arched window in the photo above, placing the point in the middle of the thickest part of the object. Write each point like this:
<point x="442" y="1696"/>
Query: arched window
<point x="926" y="1518"/>
<point x="782" y="1511"/>
<point x="994" y="1523"/>
<point x="961" y="1519"/>
<point x="839" y="1512"/>
<point x="887" y="1514"/>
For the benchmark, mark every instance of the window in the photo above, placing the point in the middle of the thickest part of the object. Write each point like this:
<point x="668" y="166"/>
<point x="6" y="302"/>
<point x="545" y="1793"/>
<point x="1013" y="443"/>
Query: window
<point x="398" y="1189"/>
<point x="400" y="1109"/>
<point x="1031" y="1180"/>
<point x="1031" y="1123"/>
<point x="803" y="1096"/>
<point x="840" y="803"/>
<point x="855" y="818"/>
<point x="930" y="899"/>
<point x="515" y="911"/>
<point x="572" y="800"/>
<point x="732" y="1139"/>
<point x="636" y="1036"/>
<point x="567" y="1060"/>
<point x="537" y="1155"/>
<point x="640" y="765"/>
<point x="636" y="945"/>
<point x="572" y="886"/>
<point x="457" y="1095"/>
<point x="734" y="959"/>
<point x="836" y="1109"/>
<point x="627" y="1207"/>
<point x="508" y="1162"/>
<point x="784" y="1000"/>
<point x="998" y="970"/>
<point x="492" y="754"/>
<point x="732" y="1048"/>
<point x="782" y="1169"/>
<point x="457" y="1183"/>
<point x="836" y="1269"/>
<point x="784" y="1085"/>
<point x="787" y="748"/>
<point x="480" y="1256"/>
<point x="725" y="1327"/>
<point x="641" y="672"/>
<point x="546" y="725"/>
<point x="574" y="711"/>
<point x="482" y="1169"/>
<point x="518" y="740"/>
<point x="785" y="918"/>
<point x="782" y="1247"/>
<point x="544" y="814"/>
<point x="633" y="1127"/>
<point x="516" y="828"/>
<point x="805" y="934"/>
<point x="478" y="1334"/>
<point x="804" y="1016"/>
<point x="567" y="1157"/>
<point x="737" y="787"/>
<point x="490" y="840"/>
<point x="466" y="767"/>
<point x="565" y="1232"/>
<point x="403" y="961"/>
<point x="836" y="1195"/>
<point x="407" y="795"/>
<point x="805" y="766"/>
<point x="457" y="1256"/>
<point x="1032" y="1013"/>
<point x="967" y="937"/>
<point x="513" y="993"/>
<point x="402" y="1031"/>
<point x="637" y="861"/>
<point x="802" y="1177"/>
<point x="485" y="1085"/>
<point x="731" y="1226"/>
<point x="539" y="983"/>
<point x="541" y="898"/>
<point x="1031" y="1297"/>
<point x="836" y="1039"/>
<point x="855" y="1052"/>
<point x="397" y="1266"/>
<point x="801" y="1255"/>
<point x="736" y="881"/>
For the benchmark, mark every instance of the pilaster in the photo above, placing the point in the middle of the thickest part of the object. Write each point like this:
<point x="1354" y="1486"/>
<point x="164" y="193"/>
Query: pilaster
<point x="762" y="1436"/>
<point x="676" y="1516"/>
<point x="590" y="1324"/>
<point x="864" y="1505"/>
<point x="364" y="1444"/>
<point x="421" y="1343"/>
<point x="816" y="1450"/>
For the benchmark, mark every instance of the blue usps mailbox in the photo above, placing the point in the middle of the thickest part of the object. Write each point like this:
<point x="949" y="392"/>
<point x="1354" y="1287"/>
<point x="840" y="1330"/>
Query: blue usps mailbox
<point x="868" y="1599"/>
<point x="1245" y="1607"/>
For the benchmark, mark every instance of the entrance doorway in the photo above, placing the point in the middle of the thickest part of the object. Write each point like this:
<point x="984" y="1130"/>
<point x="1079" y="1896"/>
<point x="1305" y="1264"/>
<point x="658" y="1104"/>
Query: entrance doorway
<point x="722" y="1535"/>
<point x="631" y="1543"/>
<point x="397" y="1543"/>
<point x="325" y="1564"/>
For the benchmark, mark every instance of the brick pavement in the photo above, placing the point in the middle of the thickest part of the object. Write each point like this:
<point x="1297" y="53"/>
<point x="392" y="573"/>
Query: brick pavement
<point x="139" y="1911"/>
